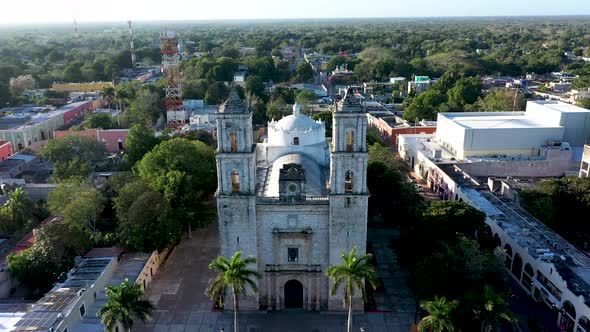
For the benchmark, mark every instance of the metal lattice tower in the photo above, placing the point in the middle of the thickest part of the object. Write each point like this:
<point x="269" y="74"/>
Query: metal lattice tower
<point x="171" y="68"/>
<point x="131" y="44"/>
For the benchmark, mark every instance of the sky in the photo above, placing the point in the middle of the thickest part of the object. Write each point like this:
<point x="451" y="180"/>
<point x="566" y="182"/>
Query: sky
<point x="41" y="11"/>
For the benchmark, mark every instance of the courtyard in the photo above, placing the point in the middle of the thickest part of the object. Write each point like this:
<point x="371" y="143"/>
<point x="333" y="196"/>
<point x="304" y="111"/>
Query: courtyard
<point x="178" y="292"/>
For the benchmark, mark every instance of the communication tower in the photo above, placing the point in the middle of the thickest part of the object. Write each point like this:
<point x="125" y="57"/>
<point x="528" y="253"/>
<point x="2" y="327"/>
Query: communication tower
<point x="133" y="61"/>
<point x="175" y="113"/>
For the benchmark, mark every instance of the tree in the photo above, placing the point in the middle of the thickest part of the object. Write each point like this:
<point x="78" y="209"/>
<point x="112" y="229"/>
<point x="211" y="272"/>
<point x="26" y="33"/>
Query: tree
<point x="199" y="135"/>
<point x="493" y="310"/>
<point x="63" y="242"/>
<point x="584" y="103"/>
<point x="66" y="148"/>
<point x="424" y="106"/>
<point x="34" y="268"/>
<point x="144" y="226"/>
<point x="73" y="156"/>
<point x="20" y="205"/>
<point x="98" y="121"/>
<point x="72" y="73"/>
<point x="465" y="92"/>
<point x="183" y="171"/>
<point x="21" y="83"/>
<point x="79" y="204"/>
<point x="53" y="252"/>
<point x="108" y="94"/>
<point x="334" y="62"/>
<point x="232" y="274"/>
<point x="141" y="140"/>
<point x="501" y="100"/>
<point x="304" y="71"/>
<point x="254" y="85"/>
<point x="144" y="109"/>
<point x="351" y="274"/>
<point x="392" y="197"/>
<point x="124" y="302"/>
<point x="216" y="93"/>
<point x="305" y="97"/>
<point x="75" y="169"/>
<point x="440" y="316"/>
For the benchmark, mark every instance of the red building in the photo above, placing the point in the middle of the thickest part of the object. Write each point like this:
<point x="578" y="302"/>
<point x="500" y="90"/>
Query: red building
<point x="390" y="132"/>
<point x="5" y="150"/>
<point x="74" y="110"/>
<point x="115" y="140"/>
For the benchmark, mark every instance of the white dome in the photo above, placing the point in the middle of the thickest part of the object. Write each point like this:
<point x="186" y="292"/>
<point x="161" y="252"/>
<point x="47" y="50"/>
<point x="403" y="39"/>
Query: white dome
<point x="300" y="123"/>
<point x="296" y="129"/>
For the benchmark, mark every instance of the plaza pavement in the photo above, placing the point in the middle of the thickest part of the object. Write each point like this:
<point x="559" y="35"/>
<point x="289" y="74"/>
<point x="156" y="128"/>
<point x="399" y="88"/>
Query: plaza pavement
<point x="178" y="292"/>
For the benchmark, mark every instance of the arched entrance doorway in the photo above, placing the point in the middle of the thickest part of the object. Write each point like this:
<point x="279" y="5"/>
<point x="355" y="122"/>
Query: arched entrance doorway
<point x="293" y="294"/>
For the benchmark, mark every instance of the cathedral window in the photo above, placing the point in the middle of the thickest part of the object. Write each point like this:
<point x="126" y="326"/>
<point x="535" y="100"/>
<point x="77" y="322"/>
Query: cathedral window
<point x="349" y="140"/>
<point x="293" y="254"/>
<point x="295" y="140"/>
<point x="235" y="182"/>
<point x="233" y="141"/>
<point x="348" y="182"/>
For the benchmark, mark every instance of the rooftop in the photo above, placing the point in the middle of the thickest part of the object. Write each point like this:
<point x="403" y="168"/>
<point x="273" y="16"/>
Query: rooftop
<point x="560" y="106"/>
<point x="46" y="313"/>
<point x="541" y="242"/>
<point x="491" y="120"/>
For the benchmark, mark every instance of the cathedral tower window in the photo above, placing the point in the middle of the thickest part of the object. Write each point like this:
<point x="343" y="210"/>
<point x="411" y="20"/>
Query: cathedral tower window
<point x="295" y="140"/>
<point x="235" y="182"/>
<point x="348" y="182"/>
<point x="293" y="254"/>
<point x="349" y="140"/>
<point x="233" y="142"/>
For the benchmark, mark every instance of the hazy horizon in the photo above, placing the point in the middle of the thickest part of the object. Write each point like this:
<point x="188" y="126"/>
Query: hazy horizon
<point x="110" y="11"/>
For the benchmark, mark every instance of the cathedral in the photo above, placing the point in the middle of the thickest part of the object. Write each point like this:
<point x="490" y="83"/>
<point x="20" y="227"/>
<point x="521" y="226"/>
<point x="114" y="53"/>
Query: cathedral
<point x="295" y="202"/>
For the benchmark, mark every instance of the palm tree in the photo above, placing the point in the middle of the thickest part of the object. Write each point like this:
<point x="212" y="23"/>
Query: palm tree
<point x="124" y="302"/>
<point x="235" y="274"/>
<point x="108" y="94"/>
<point x="353" y="271"/>
<point x="494" y="310"/>
<point x="439" y="318"/>
<point x="19" y="205"/>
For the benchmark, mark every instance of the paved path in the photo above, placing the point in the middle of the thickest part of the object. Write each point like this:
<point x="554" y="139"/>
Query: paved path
<point x="178" y="291"/>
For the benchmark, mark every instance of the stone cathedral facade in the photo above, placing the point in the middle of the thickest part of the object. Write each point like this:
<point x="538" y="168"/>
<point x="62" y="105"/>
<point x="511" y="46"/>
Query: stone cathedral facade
<point x="295" y="202"/>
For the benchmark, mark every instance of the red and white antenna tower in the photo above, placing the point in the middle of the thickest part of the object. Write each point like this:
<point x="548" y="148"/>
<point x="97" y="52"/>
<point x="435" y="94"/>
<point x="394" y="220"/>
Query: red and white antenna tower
<point x="171" y="68"/>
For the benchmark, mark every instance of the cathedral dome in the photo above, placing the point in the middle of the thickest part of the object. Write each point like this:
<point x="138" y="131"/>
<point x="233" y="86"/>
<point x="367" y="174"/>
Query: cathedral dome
<point x="296" y="128"/>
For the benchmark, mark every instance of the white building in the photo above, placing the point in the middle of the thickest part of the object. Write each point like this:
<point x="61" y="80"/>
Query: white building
<point x="292" y="202"/>
<point x="546" y="266"/>
<point x="201" y="116"/>
<point x="482" y="134"/>
<point x="419" y="84"/>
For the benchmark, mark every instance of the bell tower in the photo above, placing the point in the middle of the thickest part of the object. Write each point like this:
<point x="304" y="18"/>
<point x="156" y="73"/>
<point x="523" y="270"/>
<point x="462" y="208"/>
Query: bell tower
<point x="236" y="196"/>
<point x="348" y="186"/>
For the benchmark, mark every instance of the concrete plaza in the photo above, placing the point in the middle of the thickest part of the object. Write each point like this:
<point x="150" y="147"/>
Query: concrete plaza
<point x="178" y="292"/>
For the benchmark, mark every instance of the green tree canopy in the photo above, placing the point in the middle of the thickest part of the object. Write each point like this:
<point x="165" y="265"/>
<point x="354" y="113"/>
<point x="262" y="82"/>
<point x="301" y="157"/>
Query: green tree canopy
<point x="424" y="106"/>
<point x="183" y="171"/>
<point x="501" y="100"/>
<point x="141" y="140"/>
<point x="304" y="72"/>
<point x="99" y="121"/>
<point x="79" y="203"/>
